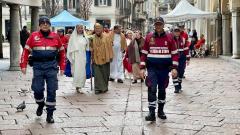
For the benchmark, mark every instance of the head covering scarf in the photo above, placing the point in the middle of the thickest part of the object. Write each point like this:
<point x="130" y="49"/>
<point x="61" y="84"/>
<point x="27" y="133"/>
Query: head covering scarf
<point x="73" y="43"/>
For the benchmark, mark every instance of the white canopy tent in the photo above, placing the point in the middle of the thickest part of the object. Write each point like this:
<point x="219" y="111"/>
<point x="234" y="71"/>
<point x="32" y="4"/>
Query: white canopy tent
<point x="185" y="11"/>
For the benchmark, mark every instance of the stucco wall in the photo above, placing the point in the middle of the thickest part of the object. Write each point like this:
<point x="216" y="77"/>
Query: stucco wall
<point x="37" y="3"/>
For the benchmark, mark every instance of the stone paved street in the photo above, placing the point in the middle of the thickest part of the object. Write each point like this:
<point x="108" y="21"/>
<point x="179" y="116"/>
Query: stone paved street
<point x="209" y="105"/>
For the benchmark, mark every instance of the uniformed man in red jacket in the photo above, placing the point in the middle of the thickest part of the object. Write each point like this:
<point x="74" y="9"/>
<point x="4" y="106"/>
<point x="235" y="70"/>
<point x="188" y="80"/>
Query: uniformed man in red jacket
<point x="183" y="34"/>
<point x="47" y="55"/>
<point x="64" y="39"/>
<point x="159" y="56"/>
<point x="184" y="58"/>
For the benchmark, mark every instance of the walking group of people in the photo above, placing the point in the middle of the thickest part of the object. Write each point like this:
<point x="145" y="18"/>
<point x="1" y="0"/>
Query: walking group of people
<point x="158" y="54"/>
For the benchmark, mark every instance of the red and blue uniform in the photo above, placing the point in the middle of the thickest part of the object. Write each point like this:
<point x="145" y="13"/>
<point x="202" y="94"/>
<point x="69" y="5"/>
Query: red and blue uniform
<point x="64" y="39"/>
<point x="48" y="54"/>
<point x="183" y="53"/>
<point x="159" y="56"/>
<point x="184" y="36"/>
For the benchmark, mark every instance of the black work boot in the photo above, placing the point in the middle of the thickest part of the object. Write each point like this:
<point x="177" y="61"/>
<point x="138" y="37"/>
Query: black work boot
<point x="134" y="81"/>
<point x="111" y="79"/>
<point x="40" y="108"/>
<point x="50" y="117"/>
<point x="120" y="81"/>
<point x="180" y="86"/>
<point x="151" y="116"/>
<point x="161" y="113"/>
<point x="177" y="89"/>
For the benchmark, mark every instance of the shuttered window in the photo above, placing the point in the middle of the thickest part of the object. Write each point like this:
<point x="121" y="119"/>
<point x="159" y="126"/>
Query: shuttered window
<point x="109" y="2"/>
<point x="96" y="2"/>
<point x="103" y="2"/>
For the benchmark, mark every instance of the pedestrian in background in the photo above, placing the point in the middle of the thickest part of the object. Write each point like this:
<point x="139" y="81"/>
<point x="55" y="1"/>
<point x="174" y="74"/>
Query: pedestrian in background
<point x="129" y="37"/>
<point x="184" y="58"/>
<point x="45" y="47"/>
<point x="126" y="64"/>
<point x="24" y="35"/>
<point x="133" y="54"/>
<point x="64" y="39"/>
<point x="193" y="42"/>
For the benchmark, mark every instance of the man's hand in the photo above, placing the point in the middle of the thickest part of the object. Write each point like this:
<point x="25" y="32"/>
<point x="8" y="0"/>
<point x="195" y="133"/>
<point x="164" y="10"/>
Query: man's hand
<point x="187" y="62"/>
<point x="142" y="74"/>
<point x="174" y="73"/>
<point x="24" y="70"/>
<point x="61" y="72"/>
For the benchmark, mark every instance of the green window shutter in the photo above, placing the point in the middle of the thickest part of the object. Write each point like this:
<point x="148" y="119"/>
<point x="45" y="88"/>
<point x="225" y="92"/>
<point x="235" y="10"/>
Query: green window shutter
<point x="96" y="3"/>
<point x="109" y="3"/>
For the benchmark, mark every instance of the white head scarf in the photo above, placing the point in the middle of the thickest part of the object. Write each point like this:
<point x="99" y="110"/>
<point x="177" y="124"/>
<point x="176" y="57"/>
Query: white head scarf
<point x="73" y="43"/>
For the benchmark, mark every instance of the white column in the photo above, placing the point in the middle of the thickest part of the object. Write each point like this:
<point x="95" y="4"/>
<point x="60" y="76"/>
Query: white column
<point x="1" y="47"/>
<point x="226" y="34"/>
<point x="236" y="34"/>
<point x="14" y="37"/>
<point x="193" y="24"/>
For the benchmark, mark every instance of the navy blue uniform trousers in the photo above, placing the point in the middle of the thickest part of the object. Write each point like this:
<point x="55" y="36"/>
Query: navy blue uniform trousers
<point x="40" y="77"/>
<point x="157" y="79"/>
<point x="177" y="82"/>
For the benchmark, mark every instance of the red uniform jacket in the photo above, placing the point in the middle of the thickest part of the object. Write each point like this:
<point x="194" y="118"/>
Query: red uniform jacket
<point x="200" y="43"/>
<point x="37" y="41"/>
<point x="182" y="47"/>
<point x="64" y="40"/>
<point x="159" y="50"/>
<point x="184" y="35"/>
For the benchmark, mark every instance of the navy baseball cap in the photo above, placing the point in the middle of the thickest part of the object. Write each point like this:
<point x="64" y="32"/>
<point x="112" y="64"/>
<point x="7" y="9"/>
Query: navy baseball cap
<point x="44" y="19"/>
<point x="159" y="20"/>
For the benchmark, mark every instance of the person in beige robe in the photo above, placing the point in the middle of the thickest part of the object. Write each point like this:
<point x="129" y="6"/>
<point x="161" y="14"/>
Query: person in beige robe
<point x="102" y="55"/>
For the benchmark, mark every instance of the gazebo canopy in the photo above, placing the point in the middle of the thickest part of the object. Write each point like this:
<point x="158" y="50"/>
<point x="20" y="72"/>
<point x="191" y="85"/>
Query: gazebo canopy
<point x="185" y="11"/>
<point x="66" y="19"/>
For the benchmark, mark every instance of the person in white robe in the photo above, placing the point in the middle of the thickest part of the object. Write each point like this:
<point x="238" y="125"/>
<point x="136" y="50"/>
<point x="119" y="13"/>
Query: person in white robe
<point x="119" y="48"/>
<point x="77" y="47"/>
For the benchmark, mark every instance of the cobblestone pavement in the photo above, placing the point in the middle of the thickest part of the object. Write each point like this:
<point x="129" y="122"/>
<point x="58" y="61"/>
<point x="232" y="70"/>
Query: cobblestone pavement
<point x="208" y="105"/>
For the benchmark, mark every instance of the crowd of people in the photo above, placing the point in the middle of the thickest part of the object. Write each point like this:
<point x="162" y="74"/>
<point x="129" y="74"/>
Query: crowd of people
<point x="112" y="55"/>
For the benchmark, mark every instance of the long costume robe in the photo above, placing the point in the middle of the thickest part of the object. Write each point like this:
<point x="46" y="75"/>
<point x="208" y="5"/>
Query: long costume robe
<point x="116" y="66"/>
<point x="77" y="47"/>
<point x="102" y="52"/>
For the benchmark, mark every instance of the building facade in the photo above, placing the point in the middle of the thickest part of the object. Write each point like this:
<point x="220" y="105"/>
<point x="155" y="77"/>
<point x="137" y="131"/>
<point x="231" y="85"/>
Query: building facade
<point x="25" y="18"/>
<point x="225" y="30"/>
<point x="104" y="12"/>
<point x="111" y="12"/>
